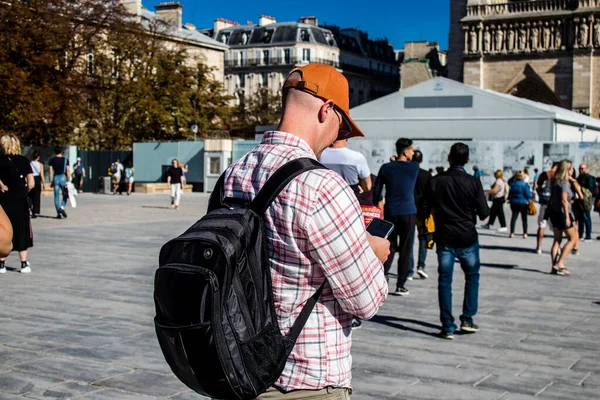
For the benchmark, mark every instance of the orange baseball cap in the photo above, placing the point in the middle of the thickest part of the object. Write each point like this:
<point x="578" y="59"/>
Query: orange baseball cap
<point x="325" y="82"/>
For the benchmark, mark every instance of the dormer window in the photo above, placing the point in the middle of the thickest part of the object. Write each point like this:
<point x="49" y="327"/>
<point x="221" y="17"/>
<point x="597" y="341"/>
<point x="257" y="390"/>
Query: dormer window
<point x="304" y="35"/>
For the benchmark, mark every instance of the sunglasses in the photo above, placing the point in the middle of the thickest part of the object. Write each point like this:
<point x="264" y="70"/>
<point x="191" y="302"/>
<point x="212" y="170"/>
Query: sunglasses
<point x="345" y="128"/>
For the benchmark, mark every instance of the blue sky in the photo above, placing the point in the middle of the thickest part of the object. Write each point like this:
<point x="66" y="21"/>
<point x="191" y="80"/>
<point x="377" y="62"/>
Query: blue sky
<point x="399" y="21"/>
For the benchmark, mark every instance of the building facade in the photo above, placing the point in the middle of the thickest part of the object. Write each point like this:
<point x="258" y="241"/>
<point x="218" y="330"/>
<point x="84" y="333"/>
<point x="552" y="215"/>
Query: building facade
<point x="543" y="50"/>
<point x="198" y="45"/>
<point x="421" y="61"/>
<point x="261" y="55"/>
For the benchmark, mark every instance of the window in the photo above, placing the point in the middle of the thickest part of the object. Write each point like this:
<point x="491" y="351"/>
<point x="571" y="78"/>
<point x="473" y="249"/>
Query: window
<point x="242" y="58"/>
<point x="90" y="64"/>
<point x="304" y="35"/>
<point x="242" y="80"/>
<point x="306" y="55"/>
<point x="264" y="79"/>
<point x="258" y="57"/>
<point x="214" y="165"/>
<point x="287" y="56"/>
<point x="266" y="57"/>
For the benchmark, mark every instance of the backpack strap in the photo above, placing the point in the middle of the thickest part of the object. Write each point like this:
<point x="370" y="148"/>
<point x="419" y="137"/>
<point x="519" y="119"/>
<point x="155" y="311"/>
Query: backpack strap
<point x="214" y="201"/>
<point x="305" y="313"/>
<point x="280" y="180"/>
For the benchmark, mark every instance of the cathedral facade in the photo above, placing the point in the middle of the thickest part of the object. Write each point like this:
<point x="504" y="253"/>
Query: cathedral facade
<point x="542" y="50"/>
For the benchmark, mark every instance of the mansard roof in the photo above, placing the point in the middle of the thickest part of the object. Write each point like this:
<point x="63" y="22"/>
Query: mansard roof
<point x="273" y="34"/>
<point x="182" y="32"/>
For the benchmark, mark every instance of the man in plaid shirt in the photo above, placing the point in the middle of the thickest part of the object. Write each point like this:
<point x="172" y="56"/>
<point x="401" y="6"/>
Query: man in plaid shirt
<point x="315" y="233"/>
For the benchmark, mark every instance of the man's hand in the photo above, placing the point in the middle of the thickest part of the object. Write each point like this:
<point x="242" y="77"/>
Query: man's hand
<point x="3" y="187"/>
<point x="380" y="246"/>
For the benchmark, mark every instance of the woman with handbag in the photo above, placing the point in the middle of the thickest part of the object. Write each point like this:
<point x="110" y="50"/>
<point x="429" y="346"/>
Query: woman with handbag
<point x="16" y="178"/>
<point x="578" y="208"/>
<point x="498" y="192"/>
<point x="562" y="218"/>
<point x="519" y="198"/>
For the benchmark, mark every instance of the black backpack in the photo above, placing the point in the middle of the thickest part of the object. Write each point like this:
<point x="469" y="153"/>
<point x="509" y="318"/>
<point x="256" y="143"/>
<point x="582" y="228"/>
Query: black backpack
<point x="215" y="316"/>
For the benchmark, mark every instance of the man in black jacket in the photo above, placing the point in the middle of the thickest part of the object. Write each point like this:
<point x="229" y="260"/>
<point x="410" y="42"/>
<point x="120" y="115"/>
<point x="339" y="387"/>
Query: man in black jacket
<point x="456" y="198"/>
<point x="423" y="179"/>
<point x="588" y="182"/>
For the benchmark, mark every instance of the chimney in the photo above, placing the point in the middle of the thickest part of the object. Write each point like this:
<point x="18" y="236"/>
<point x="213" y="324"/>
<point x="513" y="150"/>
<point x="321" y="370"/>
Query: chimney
<point x="133" y="6"/>
<point x="172" y="12"/>
<point x="266" y="20"/>
<point x="190" y="26"/>
<point x="310" y="20"/>
<point x="222" y="23"/>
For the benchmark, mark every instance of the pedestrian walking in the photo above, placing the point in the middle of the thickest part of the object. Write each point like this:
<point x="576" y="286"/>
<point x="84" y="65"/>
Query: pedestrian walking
<point x="562" y="218"/>
<point x="587" y="183"/>
<point x="116" y="169"/>
<point x="578" y="207"/>
<point x="59" y="171"/>
<point x="398" y="178"/>
<point x="129" y="177"/>
<point x="421" y="184"/>
<point x="315" y="234"/>
<point x="544" y="190"/>
<point x="456" y="197"/>
<point x="17" y="180"/>
<point x="353" y="168"/>
<point x="519" y="198"/>
<point x="78" y="175"/>
<point x="498" y="193"/>
<point x="35" y="194"/>
<point x="175" y="181"/>
<point x="184" y="170"/>
<point x="526" y="177"/>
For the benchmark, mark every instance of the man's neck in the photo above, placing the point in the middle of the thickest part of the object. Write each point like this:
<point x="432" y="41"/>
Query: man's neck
<point x="460" y="167"/>
<point x="402" y="158"/>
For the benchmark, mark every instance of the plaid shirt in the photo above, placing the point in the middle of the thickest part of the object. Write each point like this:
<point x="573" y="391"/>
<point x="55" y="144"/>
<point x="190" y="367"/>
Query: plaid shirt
<point x="315" y="232"/>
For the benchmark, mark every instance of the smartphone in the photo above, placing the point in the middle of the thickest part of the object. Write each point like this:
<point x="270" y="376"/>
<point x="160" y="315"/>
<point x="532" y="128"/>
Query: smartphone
<point x="379" y="227"/>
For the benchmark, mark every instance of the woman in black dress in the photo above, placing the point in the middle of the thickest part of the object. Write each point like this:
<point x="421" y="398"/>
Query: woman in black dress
<point x="16" y="180"/>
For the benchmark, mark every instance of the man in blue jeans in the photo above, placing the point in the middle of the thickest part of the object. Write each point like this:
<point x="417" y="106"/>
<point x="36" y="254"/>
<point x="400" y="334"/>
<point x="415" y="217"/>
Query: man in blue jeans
<point x="59" y="171"/>
<point x="456" y="198"/>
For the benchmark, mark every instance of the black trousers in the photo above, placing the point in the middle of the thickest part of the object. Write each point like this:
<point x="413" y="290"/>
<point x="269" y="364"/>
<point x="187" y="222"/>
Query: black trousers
<point x="402" y="240"/>
<point x="516" y="210"/>
<point x="497" y="211"/>
<point x="35" y="196"/>
<point x="77" y="181"/>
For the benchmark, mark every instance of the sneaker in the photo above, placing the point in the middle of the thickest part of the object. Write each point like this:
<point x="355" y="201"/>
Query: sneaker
<point x="59" y="216"/>
<point x="587" y="240"/>
<point x="575" y="252"/>
<point x="538" y="251"/>
<point x="468" y="327"/>
<point x="2" y="270"/>
<point x="410" y="278"/>
<point x="421" y="272"/>
<point x="25" y="267"/>
<point x="63" y="213"/>
<point x="447" y="335"/>
<point x="504" y="229"/>
<point x="356" y="323"/>
<point x="485" y="226"/>
<point x="401" y="292"/>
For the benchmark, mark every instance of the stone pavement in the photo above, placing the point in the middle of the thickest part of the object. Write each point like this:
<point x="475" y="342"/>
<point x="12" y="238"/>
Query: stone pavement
<point x="80" y="325"/>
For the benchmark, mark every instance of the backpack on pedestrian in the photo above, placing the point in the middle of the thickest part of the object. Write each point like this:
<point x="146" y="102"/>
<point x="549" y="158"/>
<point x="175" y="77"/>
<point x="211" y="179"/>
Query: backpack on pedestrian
<point x="215" y="314"/>
<point x="114" y="168"/>
<point x="588" y="200"/>
<point x="546" y="191"/>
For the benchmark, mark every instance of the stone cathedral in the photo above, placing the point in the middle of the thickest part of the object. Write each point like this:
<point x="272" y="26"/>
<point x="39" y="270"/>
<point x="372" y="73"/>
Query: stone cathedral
<point x="543" y="50"/>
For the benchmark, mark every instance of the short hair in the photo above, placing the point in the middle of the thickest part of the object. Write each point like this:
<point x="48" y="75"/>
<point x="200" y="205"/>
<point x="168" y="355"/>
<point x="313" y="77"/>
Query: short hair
<point x="418" y="156"/>
<point x="403" y="144"/>
<point x="499" y="174"/>
<point x="57" y="150"/>
<point x="10" y="144"/>
<point x="519" y="175"/>
<point x="35" y="155"/>
<point x="174" y="160"/>
<point x="536" y="170"/>
<point x="459" y="154"/>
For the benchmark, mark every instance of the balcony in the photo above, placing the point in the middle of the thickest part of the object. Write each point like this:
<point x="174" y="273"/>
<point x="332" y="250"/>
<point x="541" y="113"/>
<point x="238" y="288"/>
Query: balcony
<point x="275" y="61"/>
<point x="532" y="6"/>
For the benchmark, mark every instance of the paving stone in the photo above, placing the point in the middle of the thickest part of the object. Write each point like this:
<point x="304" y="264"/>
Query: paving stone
<point x="65" y="390"/>
<point x="17" y="382"/>
<point x="88" y="317"/>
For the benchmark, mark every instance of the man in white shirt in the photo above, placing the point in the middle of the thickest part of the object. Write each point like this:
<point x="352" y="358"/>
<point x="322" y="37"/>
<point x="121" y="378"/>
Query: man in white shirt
<point x="350" y="164"/>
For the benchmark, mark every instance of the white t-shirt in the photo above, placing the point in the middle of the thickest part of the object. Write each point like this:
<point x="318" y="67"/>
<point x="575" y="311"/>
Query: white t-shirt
<point x="350" y="164"/>
<point x="501" y="191"/>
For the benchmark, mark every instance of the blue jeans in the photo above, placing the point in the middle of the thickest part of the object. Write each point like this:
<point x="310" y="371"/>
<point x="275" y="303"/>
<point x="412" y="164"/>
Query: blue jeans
<point x="470" y="263"/>
<point x="421" y="259"/>
<point x="586" y="222"/>
<point x="59" y="182"/>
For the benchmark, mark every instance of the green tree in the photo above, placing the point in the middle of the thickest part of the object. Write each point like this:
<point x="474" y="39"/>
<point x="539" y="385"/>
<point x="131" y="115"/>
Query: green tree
<point x="261" y="108"/>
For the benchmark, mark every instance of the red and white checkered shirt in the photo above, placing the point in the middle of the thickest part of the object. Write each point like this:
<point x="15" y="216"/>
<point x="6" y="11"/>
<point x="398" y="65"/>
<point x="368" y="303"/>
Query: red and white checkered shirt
<point x="315" y="232"/>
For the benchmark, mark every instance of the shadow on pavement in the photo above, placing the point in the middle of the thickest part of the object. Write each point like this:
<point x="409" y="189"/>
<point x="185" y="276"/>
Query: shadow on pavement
<point x="507" y="248"/>
<point x="160" y="207"/>
<point x="395" y="322"/>
<point x="512" y="266"/>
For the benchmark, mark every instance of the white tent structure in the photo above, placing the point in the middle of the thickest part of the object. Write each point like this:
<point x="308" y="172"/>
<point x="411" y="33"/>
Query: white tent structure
<point x="442" y="109"/>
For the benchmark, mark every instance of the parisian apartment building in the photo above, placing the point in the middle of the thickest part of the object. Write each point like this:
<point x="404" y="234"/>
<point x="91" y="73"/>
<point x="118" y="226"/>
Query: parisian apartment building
<point x="261" y="55"/>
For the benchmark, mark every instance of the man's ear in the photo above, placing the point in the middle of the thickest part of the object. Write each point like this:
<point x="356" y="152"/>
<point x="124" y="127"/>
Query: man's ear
<point x="325" y="111"/>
